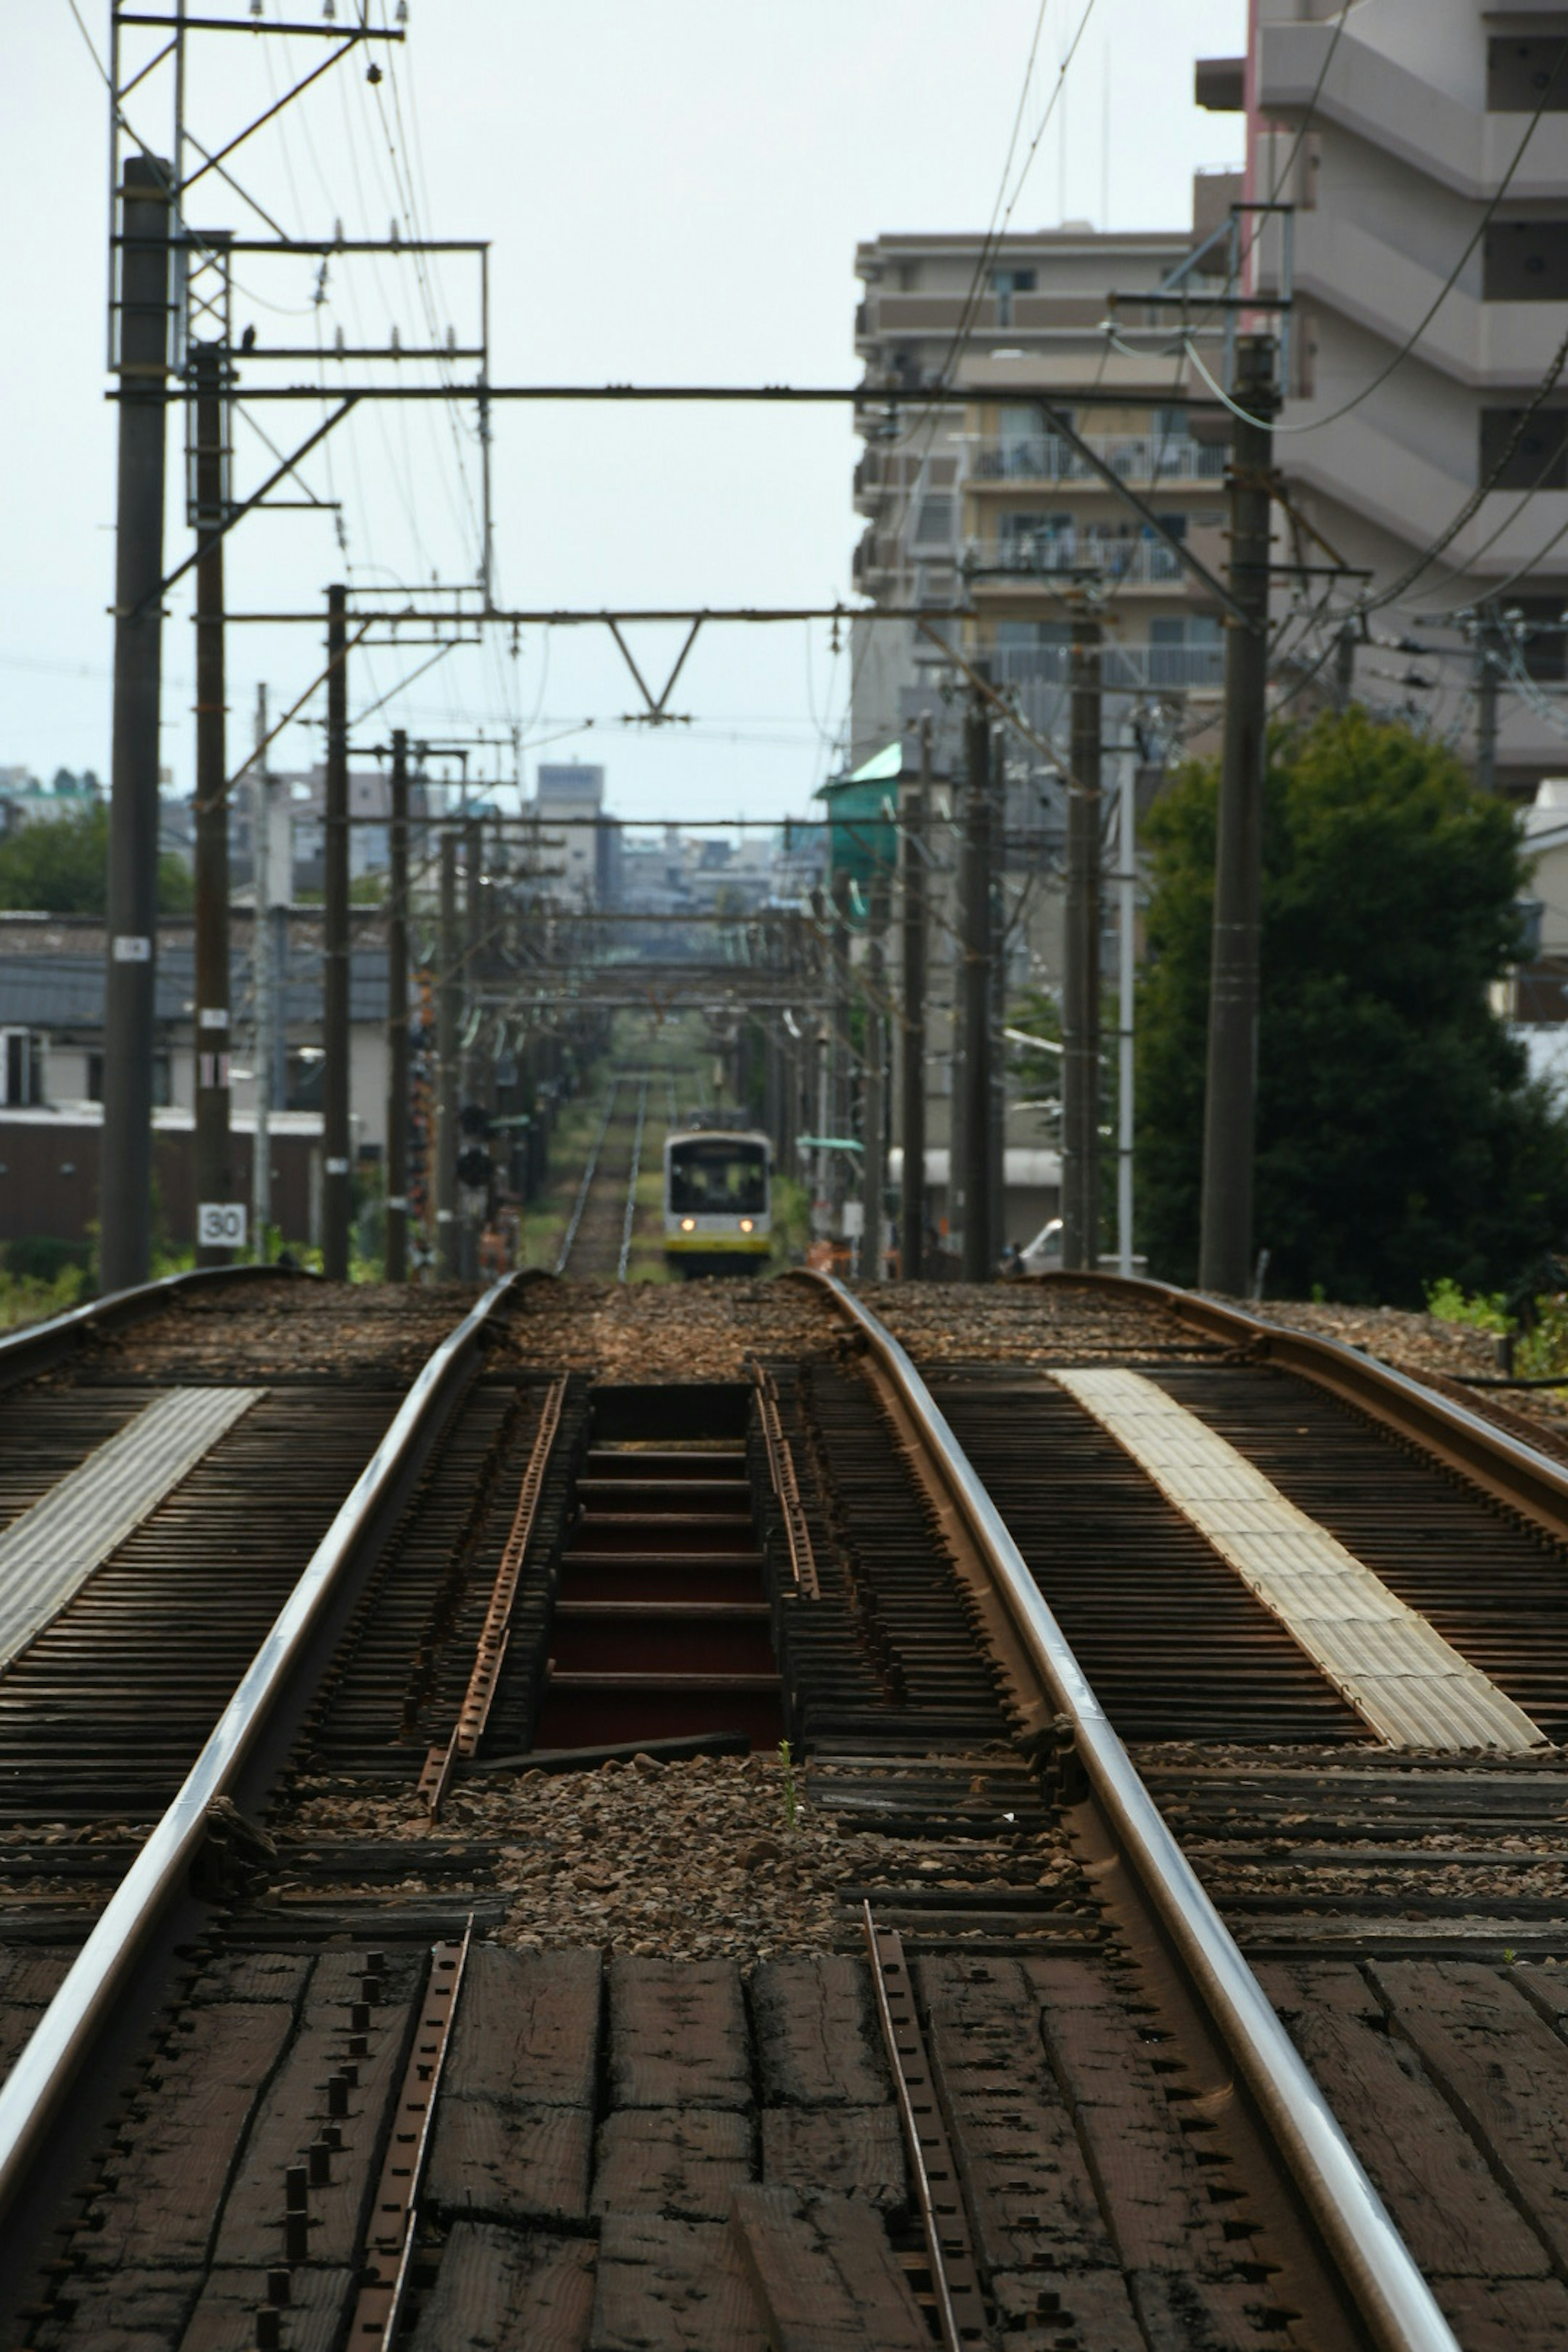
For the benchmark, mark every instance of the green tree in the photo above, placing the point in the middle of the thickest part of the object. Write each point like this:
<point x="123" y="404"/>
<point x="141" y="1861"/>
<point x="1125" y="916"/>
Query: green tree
<point x="61" y="866"/>
<point x="1399" y="1138"/>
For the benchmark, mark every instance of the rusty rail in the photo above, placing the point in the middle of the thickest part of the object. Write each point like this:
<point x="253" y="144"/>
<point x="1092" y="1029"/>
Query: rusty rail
<point x="435" y="1777"/>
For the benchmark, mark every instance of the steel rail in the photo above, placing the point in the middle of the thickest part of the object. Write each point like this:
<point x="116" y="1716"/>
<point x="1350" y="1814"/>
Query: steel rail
<point x="63" y="2043"/>
<point x="1510" y="1469"/>
<point x="569" y="1237"/>
<point x="631" y="1216"/>
<point x="1380" y="2277"/>
<point x="36" y="1346"/>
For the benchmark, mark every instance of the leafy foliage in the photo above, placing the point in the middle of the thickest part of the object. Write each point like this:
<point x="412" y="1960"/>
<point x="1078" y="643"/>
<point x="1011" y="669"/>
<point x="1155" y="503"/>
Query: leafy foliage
<point x="1399" y="1138"/>
<point x="61" y="866"/>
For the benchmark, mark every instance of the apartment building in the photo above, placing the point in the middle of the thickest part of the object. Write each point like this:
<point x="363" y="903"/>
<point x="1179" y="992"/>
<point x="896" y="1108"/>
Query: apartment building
<point x="1419" y="113"/>
<point x="971" y="498"/>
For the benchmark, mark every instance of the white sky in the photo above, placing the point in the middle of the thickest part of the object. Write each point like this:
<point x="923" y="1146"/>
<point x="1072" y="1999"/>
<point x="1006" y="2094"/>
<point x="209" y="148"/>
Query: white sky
<point x="673" y="193"/>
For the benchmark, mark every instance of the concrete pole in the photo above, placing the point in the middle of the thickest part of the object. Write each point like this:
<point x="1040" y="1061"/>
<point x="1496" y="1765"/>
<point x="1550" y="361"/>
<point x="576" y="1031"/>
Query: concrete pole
<point x="398" y="1019"/>
<point x="1080" y="968"/>
<point x="1126" y="931"/>
<point x="975" y="946"/>
<point x="213" y="1171"/>
<point x="473" y="1083"/>
<point x="874" y="1162"/>
<point x="838" y="1050"/>
<point x="915" y="804"/>
<point x="261" y="981"/>
<point x="125" y="1174"/>
<point x="448" y="993"/>
<point x="1225" y="1255"/>
<point x="335" y="1190"/>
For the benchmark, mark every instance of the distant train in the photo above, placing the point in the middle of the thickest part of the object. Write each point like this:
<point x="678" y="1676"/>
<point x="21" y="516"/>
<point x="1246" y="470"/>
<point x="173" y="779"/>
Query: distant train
<point x="718" y="1206"/>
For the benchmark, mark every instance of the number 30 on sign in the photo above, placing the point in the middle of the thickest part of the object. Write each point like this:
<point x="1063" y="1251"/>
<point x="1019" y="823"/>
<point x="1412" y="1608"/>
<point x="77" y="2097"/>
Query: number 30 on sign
<point x="220" y="1225"/>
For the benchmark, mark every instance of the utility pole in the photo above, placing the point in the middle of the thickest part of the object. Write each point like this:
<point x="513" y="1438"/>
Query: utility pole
<point x="472" y="1084"/>
<point x="838" y="1050"/>
<point x="126" y="1167"/>
<point x="1487" y="666"/>
<point x="214" y="1173"/>
<point x="1344" y="666"/>
<point x="335" y="1198"/>
<point x="874" y="1160"/>
<point x="261" y="984"/>
<point x="398" y="1019"/>
<point x="1080" y="968"/>
<point x="1126" y="921"/>
<point x="914" y="804"/>
<point x="448" y="990"/>
<point x="976" y="948"/>
<point x="1225" y="1256"/>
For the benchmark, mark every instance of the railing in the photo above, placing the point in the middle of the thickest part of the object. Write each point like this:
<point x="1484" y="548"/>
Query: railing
<point x="1125" y="668"/>
<point x="1133" y="457"/>
<point x="1141" y="561"/>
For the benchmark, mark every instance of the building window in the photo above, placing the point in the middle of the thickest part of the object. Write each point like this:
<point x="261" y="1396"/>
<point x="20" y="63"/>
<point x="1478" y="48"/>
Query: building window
<point x="934" y="522"/>
<point x="1536" y="460"/>
<point x="1525" y="261"/>
<point x="162" y="1081"/>
<point x="1004" y="284"/>
<point x="1525" y="72"/>
<point x="307" y="1066"/>
<point x="21" y="1069"/>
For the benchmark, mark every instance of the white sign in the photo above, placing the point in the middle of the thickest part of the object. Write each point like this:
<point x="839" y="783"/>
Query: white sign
<point x="129" y="948"/>
<point x="220" y="1225"/>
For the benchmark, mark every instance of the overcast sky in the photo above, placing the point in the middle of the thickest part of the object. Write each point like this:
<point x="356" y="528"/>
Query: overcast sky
<point x="672" y="194"/>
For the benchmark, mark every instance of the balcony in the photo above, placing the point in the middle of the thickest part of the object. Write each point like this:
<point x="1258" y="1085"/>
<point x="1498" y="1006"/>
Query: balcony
<point x="1146" y="458"/>
<point x="1046" y="554"/>
<point x="1125" y="668"/>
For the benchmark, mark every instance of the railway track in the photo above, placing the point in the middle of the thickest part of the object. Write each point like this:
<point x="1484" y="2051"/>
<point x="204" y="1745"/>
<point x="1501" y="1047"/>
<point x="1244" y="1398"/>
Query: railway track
<point x="597" y="1240"/>
<point x="948" y="2032"/>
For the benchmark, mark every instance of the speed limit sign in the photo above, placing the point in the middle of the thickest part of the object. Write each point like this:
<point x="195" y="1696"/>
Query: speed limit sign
<point x="220" y="1225"/>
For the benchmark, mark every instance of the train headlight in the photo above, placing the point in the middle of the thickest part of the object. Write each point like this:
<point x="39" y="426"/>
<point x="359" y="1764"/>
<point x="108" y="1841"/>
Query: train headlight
<point x="745" y="1224"/>
<point x="689" y="1224"/>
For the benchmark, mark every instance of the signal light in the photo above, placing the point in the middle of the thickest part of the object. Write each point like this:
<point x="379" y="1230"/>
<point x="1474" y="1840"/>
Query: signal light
<point x="689" y="1224"/>
<point x="745" y="1224"/>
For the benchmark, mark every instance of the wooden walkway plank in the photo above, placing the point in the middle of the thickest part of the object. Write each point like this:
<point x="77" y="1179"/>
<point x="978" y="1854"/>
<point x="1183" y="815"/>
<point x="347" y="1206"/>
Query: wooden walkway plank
<point x="1433" y="2177"/>
<point x="1041" y="2309"/>
<point x="121" y="2311"/>
<point x="845" y="2151"/>
<point x="527" y="2027"/>
<point x="1030" y="2196"/>
<point x="1501" y="2066"/>
<point x="495" y="2160"/>
<point x="672" y="2286"/>
<point x="685" y="2162"/>
<point x="252" y="2234"/>
<point x="225" y="2317"/>
<point x="169" y="2184"/>
<point x="1154" y="2192"/>
<point x="678" y="2034"/>
<point x="498" y="2291"/>
<point x="817" y="2042"/>
<point x="825" y="2275"/>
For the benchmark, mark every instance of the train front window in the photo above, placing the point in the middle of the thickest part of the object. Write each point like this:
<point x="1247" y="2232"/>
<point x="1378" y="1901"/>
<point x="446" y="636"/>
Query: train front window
<point x="713" y="1179"/>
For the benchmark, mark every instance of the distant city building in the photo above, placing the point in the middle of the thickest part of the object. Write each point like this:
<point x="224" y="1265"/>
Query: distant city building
<point x="580" y="850"/>
<point x="25" y="801"/>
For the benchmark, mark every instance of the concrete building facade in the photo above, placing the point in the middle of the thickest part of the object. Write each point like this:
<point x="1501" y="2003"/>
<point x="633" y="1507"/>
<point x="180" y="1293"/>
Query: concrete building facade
<point x="1429" y="309"/>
